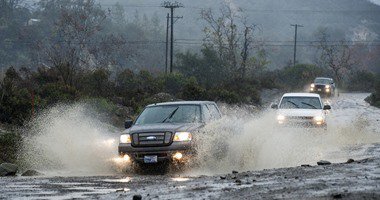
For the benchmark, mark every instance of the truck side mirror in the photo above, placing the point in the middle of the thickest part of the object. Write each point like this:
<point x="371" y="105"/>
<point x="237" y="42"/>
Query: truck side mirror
<point x="326" y="107"/>
<point x="274" y="106"/>
<point x="128" y="123"/>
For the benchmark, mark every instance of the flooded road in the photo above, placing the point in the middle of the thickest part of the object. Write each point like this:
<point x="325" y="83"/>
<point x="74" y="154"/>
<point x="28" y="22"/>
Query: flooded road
<point x="268" y="161"/>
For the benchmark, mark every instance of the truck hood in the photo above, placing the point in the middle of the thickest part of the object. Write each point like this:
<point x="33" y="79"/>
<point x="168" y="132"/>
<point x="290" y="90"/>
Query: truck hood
<point x="301" y="112"/>
<point x="163" y="127"/>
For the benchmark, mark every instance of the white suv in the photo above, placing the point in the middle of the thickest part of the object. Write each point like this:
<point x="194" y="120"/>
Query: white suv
<point x="301" y="109"/>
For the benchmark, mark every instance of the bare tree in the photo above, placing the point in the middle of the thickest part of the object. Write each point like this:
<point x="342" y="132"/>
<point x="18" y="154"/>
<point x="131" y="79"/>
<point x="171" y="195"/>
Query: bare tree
<point x="230" y="35"/>
<point x="335" y="56"/>
<point x="247" y="45"/>
<point x="222" y="33"/>
<point x="73" y="36"/>
<point x="7" y="8"/>
<point x="214" y="33"/>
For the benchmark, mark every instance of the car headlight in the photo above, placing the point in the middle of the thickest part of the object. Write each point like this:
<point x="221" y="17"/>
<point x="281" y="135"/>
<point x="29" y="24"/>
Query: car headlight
<point x="182" y="137"/>
<point x="125" y="138"/>
<point x="327" y="86"/>
<point x="280" y="117"/>
<point x="318" y="118"/>
<point x="312" y="85"/>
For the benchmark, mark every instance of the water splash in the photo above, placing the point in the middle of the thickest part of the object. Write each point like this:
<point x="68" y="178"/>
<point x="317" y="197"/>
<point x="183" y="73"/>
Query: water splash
<point x="256" y="142"/>
<point x="69" y="139"/>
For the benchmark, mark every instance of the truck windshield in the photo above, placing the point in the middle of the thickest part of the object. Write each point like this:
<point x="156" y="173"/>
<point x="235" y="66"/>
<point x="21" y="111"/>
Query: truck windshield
<point x="322" y="80"/>
<point x="170" y="114"/>
<point x="300" y="103"/>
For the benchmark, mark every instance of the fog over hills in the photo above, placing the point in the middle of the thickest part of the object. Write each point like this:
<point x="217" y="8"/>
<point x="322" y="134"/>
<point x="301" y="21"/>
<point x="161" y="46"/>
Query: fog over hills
<point x="354" y="20"/>
<point x="273" y="16"/>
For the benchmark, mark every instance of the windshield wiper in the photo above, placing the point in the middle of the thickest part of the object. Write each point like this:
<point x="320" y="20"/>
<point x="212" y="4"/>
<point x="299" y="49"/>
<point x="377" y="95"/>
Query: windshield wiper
<point x="309" y="105"/>
<point x="171" y="115"/>
<point x="293" y="104"/>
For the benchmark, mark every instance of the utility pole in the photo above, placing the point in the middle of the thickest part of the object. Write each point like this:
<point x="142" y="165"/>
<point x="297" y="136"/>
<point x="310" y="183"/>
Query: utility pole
<point x="295" y="41"/>
<point x="171" y="6"/>
<point x="167" y="43"/>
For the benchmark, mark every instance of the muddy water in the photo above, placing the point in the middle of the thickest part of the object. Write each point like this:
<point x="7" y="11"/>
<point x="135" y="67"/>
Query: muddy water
<point x="73" y="147"/>
<point x="69" y="140"/>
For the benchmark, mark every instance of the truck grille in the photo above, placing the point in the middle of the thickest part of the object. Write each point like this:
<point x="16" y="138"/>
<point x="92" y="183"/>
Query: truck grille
<point x="151" y="139"/>
<point x="299" y="118"/>
<point x="320" y="86"/>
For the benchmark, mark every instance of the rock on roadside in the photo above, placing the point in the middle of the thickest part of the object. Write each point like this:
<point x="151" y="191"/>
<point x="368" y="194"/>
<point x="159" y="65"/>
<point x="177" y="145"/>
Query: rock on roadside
<point x="8" y="169"/>
<point x="323" y="162"/>
<point x="137" y="197"/>
<point x="31" y="172"/>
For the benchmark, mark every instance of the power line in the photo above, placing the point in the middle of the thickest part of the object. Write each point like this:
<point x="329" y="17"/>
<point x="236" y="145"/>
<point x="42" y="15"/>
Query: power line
<point x="133" y="5"/>
<point x="285" y="45"/>
<point x="199" y="41"/>
<point x="263" y="11"/>
<point x="71" y="42"/>
<point x="282" y="41"/>
<point x="303" y="11"/>
<point x="258" y="10"/>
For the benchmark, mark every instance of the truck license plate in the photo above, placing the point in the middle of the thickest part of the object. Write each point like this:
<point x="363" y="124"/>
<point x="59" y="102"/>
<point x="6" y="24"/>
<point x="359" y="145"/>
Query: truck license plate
<point x="150" y="159"/>
<point x="319" y="90"/>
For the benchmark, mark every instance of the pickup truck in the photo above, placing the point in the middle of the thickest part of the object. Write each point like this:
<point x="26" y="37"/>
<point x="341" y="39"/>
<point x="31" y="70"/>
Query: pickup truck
<point x="323" y="86"/>
<point x="166" y="132"/>
<point x="301" y="110"/>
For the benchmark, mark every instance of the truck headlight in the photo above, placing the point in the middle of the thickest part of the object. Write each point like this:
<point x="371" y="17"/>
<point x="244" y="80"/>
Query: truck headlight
<point x="312" y="85"/>
<point x="125" y="138"/>
<point x="327" y="86"/>
<point x="318" y="119"/>
<point x="182" y="137"/>
<point x="280" y="117"/>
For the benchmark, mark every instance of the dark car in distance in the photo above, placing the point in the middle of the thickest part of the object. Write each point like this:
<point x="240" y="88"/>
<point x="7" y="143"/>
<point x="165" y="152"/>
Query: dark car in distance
<point x="165" y="132"/>
<point x="323" y="86"/>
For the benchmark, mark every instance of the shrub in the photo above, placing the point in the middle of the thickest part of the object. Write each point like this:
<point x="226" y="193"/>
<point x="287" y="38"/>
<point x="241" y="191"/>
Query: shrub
<point x="9" y="144"/>
<point x="101" y="105"/>
<point x="52" y="93"/>
<point x="192" y="90"/>
<point x="219" y="94"/>
<point x="173" y="83"/>
<point x="296" y="77"/>
<point x="374" y="98"/>
<point x="15" y="107"/>
<point x="97" y="83"/>
<point x="361" y="81"/>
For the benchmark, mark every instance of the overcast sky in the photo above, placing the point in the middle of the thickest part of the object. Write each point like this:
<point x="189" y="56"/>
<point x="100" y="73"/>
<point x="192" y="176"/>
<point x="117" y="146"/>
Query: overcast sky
<point x="375" y="2"/>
